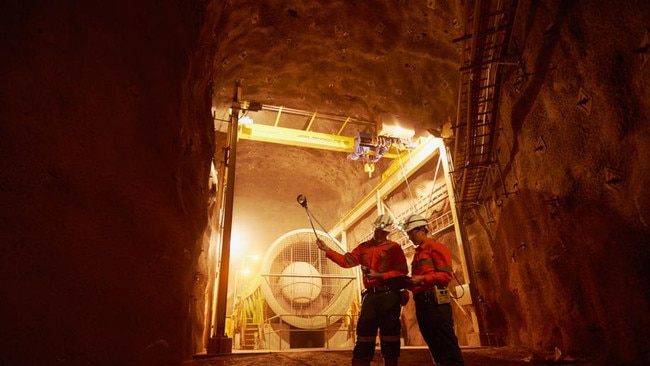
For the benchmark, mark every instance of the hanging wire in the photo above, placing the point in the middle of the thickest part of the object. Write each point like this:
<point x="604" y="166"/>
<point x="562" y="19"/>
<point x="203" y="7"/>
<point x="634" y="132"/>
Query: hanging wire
<point x="402" y="234"/>
<point x="386" y="208"/>
<point x="408" y="186"/>
<point x="461" y="287"/>
<point x="433" y="186"/>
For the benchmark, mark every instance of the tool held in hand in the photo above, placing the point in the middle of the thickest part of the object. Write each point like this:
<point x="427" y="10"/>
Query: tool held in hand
<point x="302" y="200"/>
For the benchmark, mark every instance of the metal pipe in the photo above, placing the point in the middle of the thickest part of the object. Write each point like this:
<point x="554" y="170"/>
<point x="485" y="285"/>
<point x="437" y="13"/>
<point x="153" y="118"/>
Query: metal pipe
<point x="220" y="345"/>
<point x="464" y="251"/>
<point x="326" y="116"/>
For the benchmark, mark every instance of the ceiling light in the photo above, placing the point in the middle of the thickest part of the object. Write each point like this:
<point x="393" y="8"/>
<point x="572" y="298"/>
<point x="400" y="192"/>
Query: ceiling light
<point x="396" y="131"/>
<point x="245" y="120"/>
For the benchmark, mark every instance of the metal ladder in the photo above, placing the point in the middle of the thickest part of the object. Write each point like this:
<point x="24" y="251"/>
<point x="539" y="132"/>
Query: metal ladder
<point x="484" y="48"/>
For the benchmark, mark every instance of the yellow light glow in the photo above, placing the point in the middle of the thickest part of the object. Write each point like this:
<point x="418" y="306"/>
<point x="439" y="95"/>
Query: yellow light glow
<point x="396" y="131"/>
<point x="245" y="120"/>
<point x="238" y="240"/>
<point x="394" y="125"/>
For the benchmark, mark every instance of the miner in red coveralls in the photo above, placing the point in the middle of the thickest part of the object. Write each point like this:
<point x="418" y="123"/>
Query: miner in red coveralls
<point x="431" y="272"/>
<point x="381" y="260"/>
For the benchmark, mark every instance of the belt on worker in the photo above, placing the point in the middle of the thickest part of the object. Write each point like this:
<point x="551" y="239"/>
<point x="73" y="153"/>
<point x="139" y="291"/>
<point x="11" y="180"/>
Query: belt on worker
<point x="378" y="289"/>
<point x="436" y="295"/>
<point x="423" y="295"/>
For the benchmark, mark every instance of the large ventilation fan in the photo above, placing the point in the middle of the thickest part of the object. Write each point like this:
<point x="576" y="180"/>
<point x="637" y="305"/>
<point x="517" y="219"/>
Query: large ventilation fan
<point x="301" y="285"/>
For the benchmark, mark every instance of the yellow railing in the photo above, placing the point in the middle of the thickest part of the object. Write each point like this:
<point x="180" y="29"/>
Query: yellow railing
<point x="281" y="331"/>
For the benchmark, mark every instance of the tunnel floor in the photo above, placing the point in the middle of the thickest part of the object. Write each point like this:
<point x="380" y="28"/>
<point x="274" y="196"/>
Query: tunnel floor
<point x="483" y="356"/>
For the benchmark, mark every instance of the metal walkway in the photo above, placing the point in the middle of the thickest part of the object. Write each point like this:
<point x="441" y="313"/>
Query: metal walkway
<point x="484" y="47"/>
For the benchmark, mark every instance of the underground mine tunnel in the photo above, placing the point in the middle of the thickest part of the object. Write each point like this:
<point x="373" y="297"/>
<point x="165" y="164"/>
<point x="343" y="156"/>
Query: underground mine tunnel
<point x="518" y="128"/>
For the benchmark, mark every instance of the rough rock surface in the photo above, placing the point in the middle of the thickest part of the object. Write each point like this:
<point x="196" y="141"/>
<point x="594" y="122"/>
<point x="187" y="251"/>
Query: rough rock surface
<point x="106" y="141"/>
<point x="502" y="356"/>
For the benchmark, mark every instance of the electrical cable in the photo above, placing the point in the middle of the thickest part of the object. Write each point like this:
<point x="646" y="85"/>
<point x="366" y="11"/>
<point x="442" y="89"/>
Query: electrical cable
<point x="408" y="186"/>
<point x="433" y="186"/>
<point x="302" y="200"/>
<point x="323" y="228"/>
<point x="461" y="286"/>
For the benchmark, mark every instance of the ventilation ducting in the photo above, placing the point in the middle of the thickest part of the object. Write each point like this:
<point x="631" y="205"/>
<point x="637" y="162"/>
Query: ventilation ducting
<point x="301" y="285"/>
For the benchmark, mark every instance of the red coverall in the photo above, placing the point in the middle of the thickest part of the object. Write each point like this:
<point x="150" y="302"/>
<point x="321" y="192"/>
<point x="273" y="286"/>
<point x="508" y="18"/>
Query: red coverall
<point x="433" y="261"/>
<point x="380" y="305"/>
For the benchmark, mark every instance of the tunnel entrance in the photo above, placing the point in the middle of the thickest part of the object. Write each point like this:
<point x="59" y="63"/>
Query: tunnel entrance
<point x="301" y="338"/>
<point x="418" y="181"/>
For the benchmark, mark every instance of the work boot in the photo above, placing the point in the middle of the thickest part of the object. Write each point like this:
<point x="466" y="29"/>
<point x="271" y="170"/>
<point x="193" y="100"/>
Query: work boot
<point x="356" y="362"/>
<point x="390" y="362"/>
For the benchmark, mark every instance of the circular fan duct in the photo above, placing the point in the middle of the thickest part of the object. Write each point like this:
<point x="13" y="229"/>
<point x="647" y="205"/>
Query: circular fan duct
<point x="301" y="285"/>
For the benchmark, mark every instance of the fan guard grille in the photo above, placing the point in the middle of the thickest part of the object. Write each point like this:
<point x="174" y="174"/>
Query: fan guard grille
<point x="323" y="290"/>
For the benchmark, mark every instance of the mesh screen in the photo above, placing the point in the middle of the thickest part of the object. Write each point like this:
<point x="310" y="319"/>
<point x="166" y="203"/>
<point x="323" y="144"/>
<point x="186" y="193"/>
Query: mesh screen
<point x="302" y="285"/>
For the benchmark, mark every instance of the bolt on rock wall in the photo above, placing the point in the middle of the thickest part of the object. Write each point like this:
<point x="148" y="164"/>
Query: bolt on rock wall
<point x="106" y="145"/>
<point x="562" y="255"/>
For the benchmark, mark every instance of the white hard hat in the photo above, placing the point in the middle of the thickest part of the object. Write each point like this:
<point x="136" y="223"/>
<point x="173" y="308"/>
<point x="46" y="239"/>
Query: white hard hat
<point x="412" y="222"/>
<point x="383" y="222"/>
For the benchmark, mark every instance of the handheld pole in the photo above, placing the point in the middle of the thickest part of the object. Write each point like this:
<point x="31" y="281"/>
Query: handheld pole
<point x="302" y="200"/>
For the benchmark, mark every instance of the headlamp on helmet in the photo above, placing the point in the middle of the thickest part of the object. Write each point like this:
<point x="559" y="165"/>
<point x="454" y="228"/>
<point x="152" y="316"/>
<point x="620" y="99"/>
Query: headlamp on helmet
<point x="383" y="222"/>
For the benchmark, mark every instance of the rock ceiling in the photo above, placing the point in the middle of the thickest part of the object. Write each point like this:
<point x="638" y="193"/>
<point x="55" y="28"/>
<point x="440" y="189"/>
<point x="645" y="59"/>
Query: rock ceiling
<point x="370" y="61"/>
<point x="105" y="153"/>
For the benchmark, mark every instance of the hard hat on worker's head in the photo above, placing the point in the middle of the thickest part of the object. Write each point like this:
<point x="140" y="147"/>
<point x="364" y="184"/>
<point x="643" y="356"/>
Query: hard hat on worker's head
<point x="412" y="222"/>
<point x="383" y="222"/>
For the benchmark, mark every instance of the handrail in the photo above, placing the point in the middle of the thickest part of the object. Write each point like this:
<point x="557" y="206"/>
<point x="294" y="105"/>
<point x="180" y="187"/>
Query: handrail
<point x="485" y="46"/>
<point x="351" y="330"/>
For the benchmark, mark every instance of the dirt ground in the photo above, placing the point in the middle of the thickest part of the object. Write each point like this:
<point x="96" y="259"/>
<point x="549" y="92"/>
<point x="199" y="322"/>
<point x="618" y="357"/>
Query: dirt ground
<point x="487" y="356"/>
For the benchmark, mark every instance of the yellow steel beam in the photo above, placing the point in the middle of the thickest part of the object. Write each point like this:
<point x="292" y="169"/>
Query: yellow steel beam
<point x="277" y="118"/>
<point x="302" y="138"/>
<point x="294" y="137"/>
<point x="343" y="126"/>
<point x="313" y="117"/>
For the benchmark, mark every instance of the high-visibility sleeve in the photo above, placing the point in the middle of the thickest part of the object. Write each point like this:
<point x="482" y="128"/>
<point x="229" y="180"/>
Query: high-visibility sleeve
<point x="386" y="258"/>
<point x="433" y="261"/>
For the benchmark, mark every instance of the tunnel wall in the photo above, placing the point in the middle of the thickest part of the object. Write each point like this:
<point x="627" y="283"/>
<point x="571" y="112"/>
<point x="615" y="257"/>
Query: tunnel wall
<point x="105" y="151"/>
<point x="105" y="147"/>
<point x="560" y="241"/>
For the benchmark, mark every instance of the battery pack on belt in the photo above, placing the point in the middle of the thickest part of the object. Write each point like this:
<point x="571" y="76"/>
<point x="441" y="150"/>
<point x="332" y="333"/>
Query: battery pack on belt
<point x="441" y="295"/>
<point x="435" y="295"/>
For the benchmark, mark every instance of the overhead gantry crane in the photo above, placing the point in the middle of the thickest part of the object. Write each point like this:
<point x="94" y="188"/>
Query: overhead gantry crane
<point x="409" y="156"/>
<point x="381" y="142"/>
